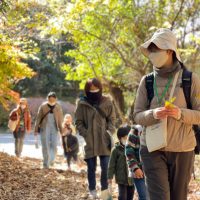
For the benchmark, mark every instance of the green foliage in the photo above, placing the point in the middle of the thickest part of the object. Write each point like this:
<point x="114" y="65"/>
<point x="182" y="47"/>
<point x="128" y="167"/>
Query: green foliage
<point x="107" y="36"/>
<point x="11" y="70"/>
<point x="101" y="39"/>
<point x="35" y="29"/>
<point x="4" y="6"/>
<point x="4" y="115"/>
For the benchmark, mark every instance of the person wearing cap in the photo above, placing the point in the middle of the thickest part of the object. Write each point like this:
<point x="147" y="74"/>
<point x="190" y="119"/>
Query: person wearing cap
<point x="22" y="115"/>
<point x="94" y="120"/>
<point x="133" y="161"/>
<point x="48" y="123"/>
<point x="167" y="170"/>
<point x="118" y="167"/>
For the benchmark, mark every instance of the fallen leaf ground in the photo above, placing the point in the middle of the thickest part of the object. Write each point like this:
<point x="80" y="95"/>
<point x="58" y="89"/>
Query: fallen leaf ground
<point x="23" y="179"/>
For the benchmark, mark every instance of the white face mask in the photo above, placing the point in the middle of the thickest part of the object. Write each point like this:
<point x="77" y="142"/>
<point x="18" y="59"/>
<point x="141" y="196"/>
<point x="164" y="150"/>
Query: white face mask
<point x="159" y="58"/>
<point x="51" y="104"/>
<point x="94" y="91"/>
<point x="23" y="107"/>
<point x="123" y="142"/>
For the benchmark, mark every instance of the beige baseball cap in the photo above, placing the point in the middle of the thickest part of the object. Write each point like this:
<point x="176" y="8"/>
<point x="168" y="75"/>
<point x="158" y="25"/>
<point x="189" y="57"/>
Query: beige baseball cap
<point x="164" y="39"/>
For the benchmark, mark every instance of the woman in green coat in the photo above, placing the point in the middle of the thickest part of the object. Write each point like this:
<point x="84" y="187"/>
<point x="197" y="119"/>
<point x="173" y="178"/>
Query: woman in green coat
<point x="95" y="119"/>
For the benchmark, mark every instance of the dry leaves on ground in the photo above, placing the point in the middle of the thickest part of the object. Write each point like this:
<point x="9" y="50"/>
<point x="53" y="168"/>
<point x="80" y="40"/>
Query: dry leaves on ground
<point x="22" y="179"/>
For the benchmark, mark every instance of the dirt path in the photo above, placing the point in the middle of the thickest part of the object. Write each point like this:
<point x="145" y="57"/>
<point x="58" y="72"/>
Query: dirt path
<point x="23" y="179"/>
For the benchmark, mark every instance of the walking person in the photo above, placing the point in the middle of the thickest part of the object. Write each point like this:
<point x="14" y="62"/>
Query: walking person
<point x="118" y="167"/>
<point x="95" y="119"/>
<point x="134" y="163"/>
<point x="168" y="168"/>
<point x="49" y="124"/>
<point x="70" y="141"/>
<point x="22" y="119"/>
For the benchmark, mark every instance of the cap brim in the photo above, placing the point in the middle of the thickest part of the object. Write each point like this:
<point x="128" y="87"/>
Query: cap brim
<point x="145" y="51"/>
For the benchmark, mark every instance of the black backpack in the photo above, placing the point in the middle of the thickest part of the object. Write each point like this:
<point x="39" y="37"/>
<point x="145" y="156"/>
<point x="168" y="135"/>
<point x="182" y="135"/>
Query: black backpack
<point x="186" y="85"/>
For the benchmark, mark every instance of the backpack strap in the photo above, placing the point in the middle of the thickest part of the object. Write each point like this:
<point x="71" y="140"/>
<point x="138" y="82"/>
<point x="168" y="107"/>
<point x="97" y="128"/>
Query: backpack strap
<point x="149" y="79"/>
<point x="186" y="84"/>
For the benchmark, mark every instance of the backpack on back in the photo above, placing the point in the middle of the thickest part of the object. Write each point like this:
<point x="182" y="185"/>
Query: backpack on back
<point x="186" y="85"/>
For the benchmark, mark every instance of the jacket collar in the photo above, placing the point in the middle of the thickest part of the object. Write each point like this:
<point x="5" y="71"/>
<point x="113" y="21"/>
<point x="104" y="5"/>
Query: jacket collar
<point x="83" y="101"/>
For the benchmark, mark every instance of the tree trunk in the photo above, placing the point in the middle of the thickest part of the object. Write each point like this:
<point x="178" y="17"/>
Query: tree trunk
<point x="118" y="97"/>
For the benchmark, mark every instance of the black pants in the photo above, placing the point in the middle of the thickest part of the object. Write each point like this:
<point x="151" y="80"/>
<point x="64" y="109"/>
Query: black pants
<point x="91" y="172"/>
<point x="167" y="173"/>
<point x="69" y="157"/>
<point x="19" y="141"/>
<point x="125" y="192"/>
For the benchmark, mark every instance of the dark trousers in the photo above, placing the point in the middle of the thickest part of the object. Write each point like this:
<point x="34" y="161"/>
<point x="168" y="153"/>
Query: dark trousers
<point x="91" y="172"/>
<point x="125" y="192"/>
<point x="69" y="157"/>
<point x="167" y="173"/>
<point x="19" y="142"/>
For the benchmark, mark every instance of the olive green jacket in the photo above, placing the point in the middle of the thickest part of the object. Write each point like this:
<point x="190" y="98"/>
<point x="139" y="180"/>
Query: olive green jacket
<point x="94" y="127"/>
<point x="118" y="166"/>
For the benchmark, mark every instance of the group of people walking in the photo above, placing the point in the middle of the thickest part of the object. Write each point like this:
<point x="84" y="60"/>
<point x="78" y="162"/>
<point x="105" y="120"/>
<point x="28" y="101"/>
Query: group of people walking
<point x="162" y="173"/>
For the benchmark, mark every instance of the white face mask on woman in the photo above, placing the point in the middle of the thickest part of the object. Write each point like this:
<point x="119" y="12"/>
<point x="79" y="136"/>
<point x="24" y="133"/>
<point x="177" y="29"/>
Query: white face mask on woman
<point x="158" y="58"/>
<point x="23" y="107"/>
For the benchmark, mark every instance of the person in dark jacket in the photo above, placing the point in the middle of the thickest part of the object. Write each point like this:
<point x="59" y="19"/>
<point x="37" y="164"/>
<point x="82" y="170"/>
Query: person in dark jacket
<point x="118" y="167"/>
<point x="21" y="114"/>
<point x="70" y="141"/>
<point x="95" y="119"/>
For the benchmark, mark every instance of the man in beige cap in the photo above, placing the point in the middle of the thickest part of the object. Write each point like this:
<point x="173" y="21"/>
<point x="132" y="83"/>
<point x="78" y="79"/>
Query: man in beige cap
<point x="168" y="168"/>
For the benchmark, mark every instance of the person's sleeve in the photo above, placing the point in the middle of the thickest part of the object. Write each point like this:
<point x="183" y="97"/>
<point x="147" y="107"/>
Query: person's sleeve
<point x="79" y="121"/>
<point x="189" y="116"/>
<point x="29" y="122"/>
<point x="60" y="119"/>
<point x="111" y="119"/>
<point x="112" y="164"/>
<point x="130" y="153"/>
<point x="38" y="119"/>
<point x="142" y="114"/>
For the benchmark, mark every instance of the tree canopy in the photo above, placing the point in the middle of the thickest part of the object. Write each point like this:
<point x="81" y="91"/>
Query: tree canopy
<point x="81" y="39"/>
<point x="107" y="36"/>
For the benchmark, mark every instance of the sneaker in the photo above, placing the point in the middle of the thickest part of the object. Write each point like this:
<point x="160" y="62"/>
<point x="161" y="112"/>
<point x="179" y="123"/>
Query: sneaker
<point x="52" y="164"/>
<point x="93" y="194"/>
<point x="45" y="166"/>
<point x="106" y="195"/>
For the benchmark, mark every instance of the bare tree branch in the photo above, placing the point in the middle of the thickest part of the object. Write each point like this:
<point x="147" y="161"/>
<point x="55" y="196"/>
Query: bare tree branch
<point x="177" y="14"/>
<point x="90" y="63"/>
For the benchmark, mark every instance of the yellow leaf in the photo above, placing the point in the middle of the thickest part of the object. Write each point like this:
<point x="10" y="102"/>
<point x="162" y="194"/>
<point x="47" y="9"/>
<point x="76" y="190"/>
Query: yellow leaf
<point x="169" y="104"/>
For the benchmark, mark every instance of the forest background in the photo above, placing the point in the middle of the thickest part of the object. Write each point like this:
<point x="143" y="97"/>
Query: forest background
<point x="56" y="45"/>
